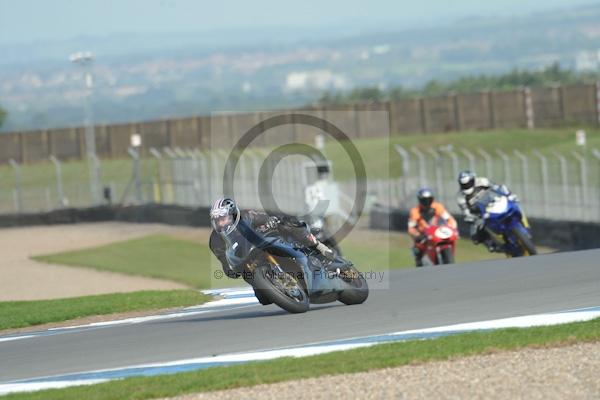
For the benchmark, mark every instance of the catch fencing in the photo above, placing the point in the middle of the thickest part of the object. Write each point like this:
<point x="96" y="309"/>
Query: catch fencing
<point x="555" y="185"/>
<point x="550" y="185"/>
<point x="189" y="177"/>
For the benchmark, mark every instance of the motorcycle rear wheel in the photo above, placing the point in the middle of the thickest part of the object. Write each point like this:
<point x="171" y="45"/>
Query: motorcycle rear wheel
<point x="273" y="286"/>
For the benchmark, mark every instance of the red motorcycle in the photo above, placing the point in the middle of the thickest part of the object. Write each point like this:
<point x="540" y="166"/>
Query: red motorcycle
<point x="440" y="245"/>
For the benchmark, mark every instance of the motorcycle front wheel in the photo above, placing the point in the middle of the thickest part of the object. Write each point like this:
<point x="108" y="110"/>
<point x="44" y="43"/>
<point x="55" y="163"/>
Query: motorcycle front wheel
<point x="446" y="256"/>
<point x="282" y="289"/>
<point x="525" y="241"/>
<point x="358" y="290"/>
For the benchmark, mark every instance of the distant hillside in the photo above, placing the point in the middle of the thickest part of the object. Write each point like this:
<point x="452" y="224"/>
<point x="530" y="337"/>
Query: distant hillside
<point x="194" y="77"/>
<point x="552" y="75"/>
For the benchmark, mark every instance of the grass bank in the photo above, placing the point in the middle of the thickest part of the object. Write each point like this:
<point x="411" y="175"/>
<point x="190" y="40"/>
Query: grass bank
<point x="192" y="263"/>
<point x="155" y="256"/>
<point x="20" y="314"/>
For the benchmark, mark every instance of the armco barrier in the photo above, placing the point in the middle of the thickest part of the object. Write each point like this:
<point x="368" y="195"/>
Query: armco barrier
<point x="151" y="213"/>
<point x="561" y="235"/>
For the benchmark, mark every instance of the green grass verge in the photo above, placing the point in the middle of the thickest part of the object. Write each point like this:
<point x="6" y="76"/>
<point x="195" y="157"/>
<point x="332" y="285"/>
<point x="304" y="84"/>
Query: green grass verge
<point x="382" y="161"/>
<point x="192" y="263"/>
<point x="156" y="256"/>
<point x="358" y="360"/>
<point x="19" y="314"/>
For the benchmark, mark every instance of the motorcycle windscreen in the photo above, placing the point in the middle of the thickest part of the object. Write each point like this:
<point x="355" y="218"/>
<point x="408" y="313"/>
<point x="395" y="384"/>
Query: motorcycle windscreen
<point x="492" y="202"/>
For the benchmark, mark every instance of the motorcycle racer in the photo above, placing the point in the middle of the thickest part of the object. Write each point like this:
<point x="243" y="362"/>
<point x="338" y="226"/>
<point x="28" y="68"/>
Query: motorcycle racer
<point x="230" y="225"/>
<point x="471" y="186"/>
<point x="427" y="212"/>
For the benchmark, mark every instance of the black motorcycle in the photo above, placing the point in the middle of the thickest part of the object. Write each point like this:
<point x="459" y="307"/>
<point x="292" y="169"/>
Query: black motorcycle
<point x="292" y="276"/>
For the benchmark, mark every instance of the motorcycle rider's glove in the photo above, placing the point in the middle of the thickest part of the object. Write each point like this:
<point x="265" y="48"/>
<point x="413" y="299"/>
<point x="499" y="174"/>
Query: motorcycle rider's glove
<point x="422" y="238"/>
<point x="271" y="224"/>
<point x="470" y="218"/>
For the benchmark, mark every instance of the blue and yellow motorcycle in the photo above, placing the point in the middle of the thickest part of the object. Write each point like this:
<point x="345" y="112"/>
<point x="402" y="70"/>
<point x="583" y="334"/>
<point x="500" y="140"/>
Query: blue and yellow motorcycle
<point x="505" y="222"/>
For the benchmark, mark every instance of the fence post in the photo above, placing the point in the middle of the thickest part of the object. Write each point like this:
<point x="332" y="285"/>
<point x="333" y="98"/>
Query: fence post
<point x="256" y="163"/>
<point x="17" y="193"/>
<point x="216" y="176"/>
<point x="405" y="159"/>
<point x="195" y="177"/>
<point x="94" y="163"/>
<point x="405" y="170"/>
<point x="455" y="165"/>
<point x="488" y="161"/>
<point x="449" y="150"/>
<point x="506" y="161"/>
<point x="583" y="178"/>
<point x="62" y="201"/>
<point x="470" y="157"/>
<point x="170" y="189"/>
<point x="158" y="189"/>
<point x="183" y="176"/>
<point x="454" y="159"/>
<point x="422" y="167"/>
<point x="564" y="182"/>
<point x="135" y="157"/>
<point x="524" y="170"/>
<point x="544" y="168"/>
<point x="204" y="177"/>
<point x="437" y="171"/>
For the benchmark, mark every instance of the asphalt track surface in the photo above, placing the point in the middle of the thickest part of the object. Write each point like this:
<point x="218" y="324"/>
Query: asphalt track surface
<point x="416" y="298"/>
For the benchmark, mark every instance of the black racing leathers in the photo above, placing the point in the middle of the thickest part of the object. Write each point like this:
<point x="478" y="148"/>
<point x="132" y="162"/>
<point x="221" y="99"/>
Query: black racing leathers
<point x="261" y="222"/>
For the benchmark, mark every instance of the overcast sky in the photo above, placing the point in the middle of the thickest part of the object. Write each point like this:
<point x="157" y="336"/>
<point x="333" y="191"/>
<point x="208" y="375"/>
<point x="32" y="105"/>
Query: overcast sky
<point x="33" y="20"/>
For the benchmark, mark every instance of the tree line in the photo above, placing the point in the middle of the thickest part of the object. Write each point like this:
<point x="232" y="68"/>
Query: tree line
<point x="551" y="75"/>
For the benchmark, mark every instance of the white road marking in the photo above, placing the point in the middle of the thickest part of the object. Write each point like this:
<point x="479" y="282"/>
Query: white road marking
<point x="299" y="351"/>
<point x="32" y="387"/>
<point x="8" y="339"/>
<point x="233" y="298"/>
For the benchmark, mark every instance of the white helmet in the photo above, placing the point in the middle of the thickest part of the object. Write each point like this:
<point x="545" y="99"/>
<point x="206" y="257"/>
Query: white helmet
<point x="466" y="181"/>
<point x="224" y="215"/>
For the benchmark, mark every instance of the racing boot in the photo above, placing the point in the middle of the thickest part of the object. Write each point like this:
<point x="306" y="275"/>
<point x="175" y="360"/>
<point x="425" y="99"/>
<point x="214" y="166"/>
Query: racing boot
<point x="418" y="254"/>
<point x="492" y="246"/>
